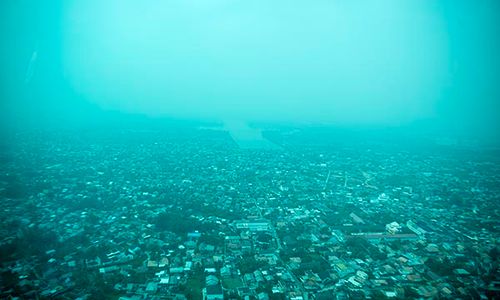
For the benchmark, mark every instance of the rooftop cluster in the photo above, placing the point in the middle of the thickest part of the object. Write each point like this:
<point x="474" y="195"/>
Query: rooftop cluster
<point x="149" y="215"/>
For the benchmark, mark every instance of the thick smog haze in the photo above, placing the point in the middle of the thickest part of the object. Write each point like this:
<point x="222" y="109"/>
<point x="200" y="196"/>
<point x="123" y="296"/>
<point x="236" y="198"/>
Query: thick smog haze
<point x="258" y="149"/>
<point x="349" y="63"/>
<point x="324" y="61"/>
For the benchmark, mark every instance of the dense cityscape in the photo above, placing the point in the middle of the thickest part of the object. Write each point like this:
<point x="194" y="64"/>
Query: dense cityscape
<point x="190" y="214"/>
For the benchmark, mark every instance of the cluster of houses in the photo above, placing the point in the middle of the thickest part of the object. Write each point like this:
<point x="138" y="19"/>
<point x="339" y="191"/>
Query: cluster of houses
<point x="198" y="218"/>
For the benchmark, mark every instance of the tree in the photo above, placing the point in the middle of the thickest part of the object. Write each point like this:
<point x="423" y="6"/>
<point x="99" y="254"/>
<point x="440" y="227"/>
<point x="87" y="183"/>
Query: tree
<point x="249" y="264"/>
<point x="175" y="222"/>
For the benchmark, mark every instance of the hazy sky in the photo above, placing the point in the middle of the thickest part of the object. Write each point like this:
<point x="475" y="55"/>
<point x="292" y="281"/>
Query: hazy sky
<point x="332" y="61"/>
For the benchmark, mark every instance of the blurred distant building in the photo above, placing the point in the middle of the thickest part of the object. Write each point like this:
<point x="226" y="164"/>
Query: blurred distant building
<point x="253" y="225"/>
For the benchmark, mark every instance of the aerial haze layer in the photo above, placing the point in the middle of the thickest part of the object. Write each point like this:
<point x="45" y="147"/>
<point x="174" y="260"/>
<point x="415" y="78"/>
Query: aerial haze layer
<point x="347" y="63"/>
<point x="258" y="149"/>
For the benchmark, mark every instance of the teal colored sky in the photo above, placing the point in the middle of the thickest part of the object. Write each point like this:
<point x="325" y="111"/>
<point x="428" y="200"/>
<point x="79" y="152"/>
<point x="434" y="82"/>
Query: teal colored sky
<point x="329" y="62"/>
